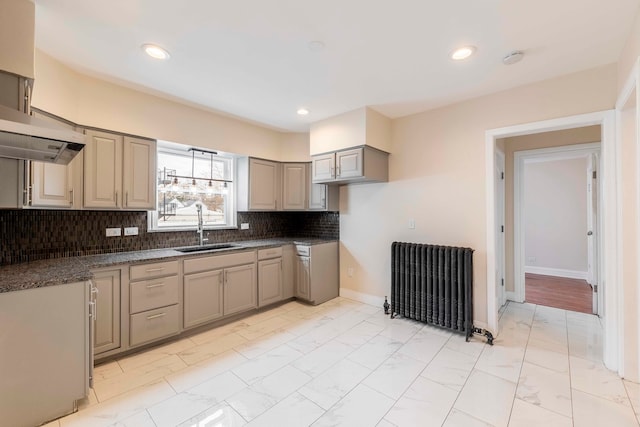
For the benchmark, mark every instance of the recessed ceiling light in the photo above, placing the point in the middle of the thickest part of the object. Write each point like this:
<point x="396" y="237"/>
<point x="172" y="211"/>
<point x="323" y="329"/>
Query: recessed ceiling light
<point x="462" y="53"/>
<point x="155" y="51"/>
<point x="303" y="111"/>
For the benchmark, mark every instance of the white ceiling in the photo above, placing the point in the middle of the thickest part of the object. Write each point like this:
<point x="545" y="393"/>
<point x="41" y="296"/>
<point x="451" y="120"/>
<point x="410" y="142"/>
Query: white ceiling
<point x="251" y="59"/>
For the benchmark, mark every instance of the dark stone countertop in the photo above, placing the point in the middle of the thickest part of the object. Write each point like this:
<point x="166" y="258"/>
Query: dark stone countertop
<point x="58" y="271"/>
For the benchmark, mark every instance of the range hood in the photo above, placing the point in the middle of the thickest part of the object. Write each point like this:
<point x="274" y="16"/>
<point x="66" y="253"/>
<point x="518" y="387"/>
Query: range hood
<point x="26" y="137"/>
<point x="21" y="135"/>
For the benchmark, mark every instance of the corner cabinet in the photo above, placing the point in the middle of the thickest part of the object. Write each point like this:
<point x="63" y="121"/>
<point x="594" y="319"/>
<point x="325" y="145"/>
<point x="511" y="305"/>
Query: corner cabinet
<point x="119" y="172"/>
<point x="360" y="164"/>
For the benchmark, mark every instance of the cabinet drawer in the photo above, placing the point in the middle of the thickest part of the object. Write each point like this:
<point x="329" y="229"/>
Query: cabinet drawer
<point x="149" y="271"/>
<point x="215" y="262"/>
<point x="150" y="294"/>
<point x="270" y="253"/>
<point x="154" y="324"/>
<point x="303" y="250"/>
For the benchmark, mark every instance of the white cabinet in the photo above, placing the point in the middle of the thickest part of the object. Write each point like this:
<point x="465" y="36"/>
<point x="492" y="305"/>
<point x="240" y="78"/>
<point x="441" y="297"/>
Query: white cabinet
<point x="107" y="327"/>
<point x="119" y="172"/>
<point x="294" y="186"/>
<point x="202" y="297"/>
<point x="360" y="164"/>
<point x="270" y="276"/>
<point x="258" y="185"/>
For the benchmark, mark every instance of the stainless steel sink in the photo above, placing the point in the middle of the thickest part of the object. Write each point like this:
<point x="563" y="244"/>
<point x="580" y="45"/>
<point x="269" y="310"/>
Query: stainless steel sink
<point x="206" y="248"/>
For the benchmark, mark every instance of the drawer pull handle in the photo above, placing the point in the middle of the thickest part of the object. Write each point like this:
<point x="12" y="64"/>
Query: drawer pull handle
<point x="157" y="285"/>
<point x="155" y="316"/>
<point x="151" y="270"/>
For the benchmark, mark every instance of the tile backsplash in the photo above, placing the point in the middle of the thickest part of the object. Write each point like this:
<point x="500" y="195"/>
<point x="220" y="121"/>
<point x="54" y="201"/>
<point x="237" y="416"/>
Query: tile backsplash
<point x="32" y="234"/>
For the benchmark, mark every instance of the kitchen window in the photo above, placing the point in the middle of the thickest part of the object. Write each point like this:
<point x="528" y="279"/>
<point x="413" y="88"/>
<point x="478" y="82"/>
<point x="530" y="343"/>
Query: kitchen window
<point x="191" y="177"/>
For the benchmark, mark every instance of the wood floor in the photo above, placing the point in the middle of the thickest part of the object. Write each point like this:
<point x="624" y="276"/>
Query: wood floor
<point x="559" y="292"/>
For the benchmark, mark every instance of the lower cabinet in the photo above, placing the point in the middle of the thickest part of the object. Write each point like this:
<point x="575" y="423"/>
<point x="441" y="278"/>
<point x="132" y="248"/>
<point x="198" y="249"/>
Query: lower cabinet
<point x="219" y="285"/>
<point x="154" y="302"/>
<point x="107" y="326"/>
<point x="303" y="278"/>
<point x="202" y="297"/>
<point x="270" y="289"/>
<point x="239" y="289"/>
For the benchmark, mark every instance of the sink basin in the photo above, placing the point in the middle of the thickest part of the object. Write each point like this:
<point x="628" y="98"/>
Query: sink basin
<point x="206" y="248"/>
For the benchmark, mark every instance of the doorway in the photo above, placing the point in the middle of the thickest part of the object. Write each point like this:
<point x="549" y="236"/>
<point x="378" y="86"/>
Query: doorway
<point x="608" y="253"/>
<point x="556" y="226"/>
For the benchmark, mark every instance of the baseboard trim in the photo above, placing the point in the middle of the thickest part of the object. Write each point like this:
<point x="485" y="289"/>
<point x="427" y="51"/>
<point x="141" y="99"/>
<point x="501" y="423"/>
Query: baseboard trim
<point x="557" y="272"/>
<point x="511" y="296"/>
<point x="362" y="297"/>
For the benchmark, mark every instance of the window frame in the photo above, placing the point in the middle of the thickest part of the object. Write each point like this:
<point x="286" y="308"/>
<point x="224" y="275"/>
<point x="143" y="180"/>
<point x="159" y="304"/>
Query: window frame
<point x="231" y="208"/>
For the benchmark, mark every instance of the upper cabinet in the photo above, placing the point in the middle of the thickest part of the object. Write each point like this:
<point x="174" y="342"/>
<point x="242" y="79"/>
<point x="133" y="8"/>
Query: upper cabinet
<point x="119" y="172"/>
<point x="264" y="185"/>
<point x="351" y="148"/>
<point x="361" y="164"/>
<point x="54" y="185"/>
<point x="294" y="186"/>
<point x="258" y="185"/>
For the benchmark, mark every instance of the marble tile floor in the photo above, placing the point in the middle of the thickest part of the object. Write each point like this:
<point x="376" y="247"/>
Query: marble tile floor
<point x="344" y="363"/>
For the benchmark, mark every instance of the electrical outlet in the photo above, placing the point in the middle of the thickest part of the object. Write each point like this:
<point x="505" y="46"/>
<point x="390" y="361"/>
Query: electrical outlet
<point x="412" y="224"/>
<point x="350" y="271"/>
<point x="131" y="231"/>
<point x="531" y="260"/>
<point x="244" y="226"/>
<point x="114" y="232"/>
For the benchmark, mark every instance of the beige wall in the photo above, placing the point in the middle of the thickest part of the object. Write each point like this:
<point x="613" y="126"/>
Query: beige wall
<point x="555" y="219"/>
<point x="92" y="102"/>
<point x="437" y="177"/>
<point x="629" y="232"/>
<point x="629" y="54"/>
<point x="530" y="142"/>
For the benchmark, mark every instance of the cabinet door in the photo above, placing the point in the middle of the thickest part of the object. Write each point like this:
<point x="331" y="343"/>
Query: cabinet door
<point x="288" y="271"/>
<point x="294" y="186"/>
<point x="51" y="185"/>
<point x="102" y="170"/>
<point x="317" y="197"/>
<point x="263" y="184"/>
<point x="303" y="278"/>
<point x="202" y="297"/>
<point x="323" y="167"/>
<point x="138" y="179"/>
<point x="107" y="327"/>
<point x="240" y="290"/>
<point x="349" y="163"/>
<point x="269" y="281"/>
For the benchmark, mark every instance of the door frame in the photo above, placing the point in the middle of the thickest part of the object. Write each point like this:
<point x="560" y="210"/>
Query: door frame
<point x="606" y="119"/>
<point x="520" y="158"/>
<point x="500" y="223"/>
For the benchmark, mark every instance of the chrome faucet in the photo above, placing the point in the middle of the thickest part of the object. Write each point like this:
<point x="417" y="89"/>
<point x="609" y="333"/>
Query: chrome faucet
<point x="200" y="229"/>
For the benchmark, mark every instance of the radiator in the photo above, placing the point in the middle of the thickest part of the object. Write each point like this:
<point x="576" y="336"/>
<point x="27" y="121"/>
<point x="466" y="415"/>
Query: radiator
<point x="434" y="284"/>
